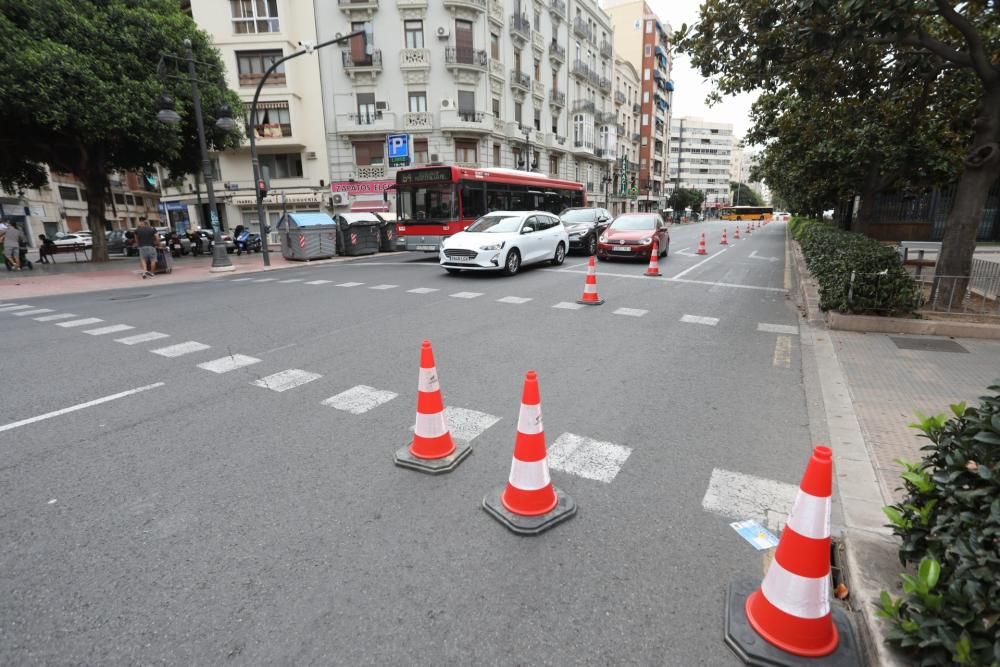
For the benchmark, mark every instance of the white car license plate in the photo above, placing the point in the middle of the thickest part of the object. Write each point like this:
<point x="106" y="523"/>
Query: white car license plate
<point x="462" y="259"/>
<point x="426" y="247"/>
<point x="620" y="249"/>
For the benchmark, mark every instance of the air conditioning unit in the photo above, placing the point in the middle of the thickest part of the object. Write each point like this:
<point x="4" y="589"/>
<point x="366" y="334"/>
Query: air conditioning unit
<point x="435" y="158"/>
<point x="443" y="32"/>
<point x="339" y="199"/>
<point x="448" y="103"/>
<point x="310" y="155"/>
<point x="381" y="106"/>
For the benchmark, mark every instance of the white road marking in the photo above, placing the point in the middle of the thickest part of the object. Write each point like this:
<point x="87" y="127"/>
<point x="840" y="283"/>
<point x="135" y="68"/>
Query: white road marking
<point x="754" y="255"/>
<point x="292" y="280"/>
<point x="632" y="312"/>
<point x="778" y="328"/>
<point x="349" y="284"/>
<point x="514" y="299"/>
<point x="423" y="290"/>
<point x="468" y="424"/>
<point x="79" y="323"/>
<point x="587" y="458"/>
<point x="230" y="363"/>
<point x="114" y="328"/>
<point x="695" y="319"/>
<point x="360" y="399"/>
<point x="240" y="280"/>
<point x="8" y="309"/>
<point x="568" y="305"/>
<point x="60" y="316"/>
<point x="181" y="349"/>
<point x="466" y="295"/>
<point x="264" y="280"/>
<point x="383" y="286"/>
<point x="37" y="311"/>
<point x="735" y="495"/>
<point x="718" y="284"/>
<point x="683" y="251"/>
<point x="692" y="268"/>
<point x="285" y="380"/>
<point x="142" y="338"/>
<point x="79" y="406"/>
<point x="783" y="352"/>
<point x="318" y="282"/>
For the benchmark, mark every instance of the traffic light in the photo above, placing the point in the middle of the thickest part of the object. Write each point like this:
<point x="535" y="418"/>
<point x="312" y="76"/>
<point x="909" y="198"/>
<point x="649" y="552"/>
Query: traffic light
<point x="264" y="182"/>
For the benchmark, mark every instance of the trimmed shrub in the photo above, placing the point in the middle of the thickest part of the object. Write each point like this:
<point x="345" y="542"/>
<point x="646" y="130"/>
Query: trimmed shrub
<point x="881" y="284"/>
<point x="949" y="522"/>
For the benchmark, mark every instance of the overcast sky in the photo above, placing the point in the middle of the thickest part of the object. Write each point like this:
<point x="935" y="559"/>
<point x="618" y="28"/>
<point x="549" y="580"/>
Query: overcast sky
<point x="690" y="90"/>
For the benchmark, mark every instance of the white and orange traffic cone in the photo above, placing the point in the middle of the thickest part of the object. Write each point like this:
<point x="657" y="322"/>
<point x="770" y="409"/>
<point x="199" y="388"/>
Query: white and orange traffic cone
<point x="654" y="260"/>
<point x="701" y="246"/>
<point x="529" y="504"/>
<point x="725" y="238"/>
<point x="590" y="297"/>
<point x="748" y="232"/>
<point x="791" y="610"/>
<point x="736" y="236"/>
<point x="432" y="449"/>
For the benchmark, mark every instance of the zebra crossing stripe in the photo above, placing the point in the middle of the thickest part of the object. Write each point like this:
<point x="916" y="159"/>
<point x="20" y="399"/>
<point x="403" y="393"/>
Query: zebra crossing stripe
<point x="285" y="380"/>
<point x="360" y="399"/>
<point x="181" y="349"/>
<point x="230" y="363"/>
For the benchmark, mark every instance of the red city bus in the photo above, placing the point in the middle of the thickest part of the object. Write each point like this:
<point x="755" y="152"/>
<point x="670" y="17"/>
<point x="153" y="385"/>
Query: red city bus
<point x="437" y="201"/>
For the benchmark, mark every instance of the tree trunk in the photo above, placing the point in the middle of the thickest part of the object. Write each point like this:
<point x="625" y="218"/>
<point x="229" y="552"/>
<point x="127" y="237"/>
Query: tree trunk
<point x="982" y="168"/>
<point x="869" y="197"/>
<point x="95" y="179"/>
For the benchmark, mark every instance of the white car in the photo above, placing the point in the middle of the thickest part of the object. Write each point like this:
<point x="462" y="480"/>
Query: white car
<point x="504" y="241"/>
<point x="80" y="238"/>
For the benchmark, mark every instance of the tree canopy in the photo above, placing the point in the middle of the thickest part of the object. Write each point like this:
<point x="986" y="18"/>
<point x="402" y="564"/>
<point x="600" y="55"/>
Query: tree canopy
<point x="686" y="198"/>
<point x="80" y="84"/>
<point x="741" y="194"/>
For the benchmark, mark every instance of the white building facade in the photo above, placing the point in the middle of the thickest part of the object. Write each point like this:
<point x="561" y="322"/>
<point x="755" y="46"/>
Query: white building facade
<point x="701" y="158"/>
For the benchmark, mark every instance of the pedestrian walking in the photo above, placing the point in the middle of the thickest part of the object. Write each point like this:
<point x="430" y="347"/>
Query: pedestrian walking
<point x="12" y="245"/>
<point x="146" y="239"/>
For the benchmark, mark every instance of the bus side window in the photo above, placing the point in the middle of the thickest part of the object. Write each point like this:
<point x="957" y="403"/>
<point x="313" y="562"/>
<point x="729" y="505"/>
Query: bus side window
<point x="519" y="198"/>
<point x="473" y="200"/>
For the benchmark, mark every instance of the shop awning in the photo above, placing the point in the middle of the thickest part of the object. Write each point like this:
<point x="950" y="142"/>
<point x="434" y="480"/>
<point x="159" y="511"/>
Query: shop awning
<point x="369" y="206"/>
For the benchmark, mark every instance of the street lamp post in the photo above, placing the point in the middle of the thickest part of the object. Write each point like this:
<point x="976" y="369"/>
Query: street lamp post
<point x="220" y="258"/>
<point x="307" y="47"/>
<point x="527" y="147"/>
<point x="606" y="181"/>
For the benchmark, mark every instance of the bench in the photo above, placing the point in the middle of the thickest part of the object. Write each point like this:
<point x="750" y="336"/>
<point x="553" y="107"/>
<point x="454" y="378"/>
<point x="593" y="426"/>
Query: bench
<point x="53" y="250"/>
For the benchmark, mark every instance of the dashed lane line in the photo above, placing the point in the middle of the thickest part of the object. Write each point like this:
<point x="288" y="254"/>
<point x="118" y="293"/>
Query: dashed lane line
<point x="697" y="319"/>
<point x="79" y="323"/>
<point x="778" y="328"/>
<point x="383" y="287"/>
<point x="318" y="282"/>
<point x="692" y="268"/>
<point x="568" y="305"/>
<point x="181" y="349"/>
<point x="349" y="284"/>
<point x="631" y="312"/>
<point x="291" y="280"/>
<point x="265" y="280"/>
<point x="587" y="458"/>
<point x="142" y="338"/>
<point x="423" y="290"/>
<point x="782" y="352"/>
<point x="114" y="328"/>
<point x="241" y="280"/>
<point x="360" y="399"/>
<point x="230" y="363"/>
<point x="285" y="380"/>
<point x="466" y="295"/>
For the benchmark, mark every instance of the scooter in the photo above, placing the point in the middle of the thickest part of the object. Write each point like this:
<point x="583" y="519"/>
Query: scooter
<point x="243" y="243"/>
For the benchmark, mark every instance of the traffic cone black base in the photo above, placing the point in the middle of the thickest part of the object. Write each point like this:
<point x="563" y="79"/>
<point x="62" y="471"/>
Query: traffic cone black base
<point x="529" y="525"/>
<point x="596" y="302"/>
<point x="755" y="650"/>
<point x="406" y="459"/>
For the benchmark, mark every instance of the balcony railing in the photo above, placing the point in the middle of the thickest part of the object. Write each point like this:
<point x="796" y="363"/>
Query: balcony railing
<point x="557" y="98"/>
<point x="633" y="166"/>
<point x="605" y="117"/>
<point x="557" y="52"/>
<point x="580" y="69"/>
<point x="471" y="116"/>
<point x="582" y="28"/>
<point x="604" y="84"/>
<point x="365" y="117"/>
<point x="583" y="106"/>
<point x="351" y="60"/>
<point x="636" y="108"/>
<point x="520" y="79"/>
<point x="636" y="137"/>
<point x="558" y="7"/>
<point x="561" y="140"/>
<point x="606" y="49"/>
<point x="620" y="130"/>
<point x="475" y="5"/>
<point x="520" y="26"/>
<point x="619" y="97"/>
<point x="463" y="55"/>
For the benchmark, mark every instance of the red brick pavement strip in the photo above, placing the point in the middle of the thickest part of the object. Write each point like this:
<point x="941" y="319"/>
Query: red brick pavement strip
<point x="889" y="385"/>
<point x="86" y="277"/>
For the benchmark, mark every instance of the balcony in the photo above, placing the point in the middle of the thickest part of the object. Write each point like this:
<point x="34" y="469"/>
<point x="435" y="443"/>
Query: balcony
<point x="538" y="42"/>
<point x="411" y="4"/>
<point x="359" y="9"/>
<point x="582" y="29"/>
<point x="636" y="108"/>
<point x="605" y="153"/>
<point x="467" y="8"/>
<point x="633" y="166"/>
<point x="366" y="122"/>
<point x="558" y="8"/>
<point x="496" y="12"/>
<point x="619" y="97"/>
<point x="465" y="63"/>
<point x="606" y="49"/>
<point x="557" y="53"/>
<point x="604" y="84"/>
<point x="538" y="90"/>
<point x="636" y="137"/>
<point x="520" y="80"/>
<point x="557" y="99"/>
<point x="605" y="118"/>
<point x="620" y="130"/>
<point x="583" y="106"/>
<point x="418" y="120"/>
<point x="414" y="59"/>
<point x="580" y="70"/>
<point x="460" y="120"/>
<point x="520" y="28"/>
<point x="363" y="65"/>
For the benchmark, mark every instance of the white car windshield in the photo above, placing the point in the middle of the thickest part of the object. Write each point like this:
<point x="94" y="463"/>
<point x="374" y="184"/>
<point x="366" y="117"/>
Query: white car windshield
<point x="496" y="224"/>
<point x="634" y="223"/>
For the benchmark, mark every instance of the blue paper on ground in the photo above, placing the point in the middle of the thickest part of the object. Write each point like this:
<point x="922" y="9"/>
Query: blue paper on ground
<point x="754" y="533"/>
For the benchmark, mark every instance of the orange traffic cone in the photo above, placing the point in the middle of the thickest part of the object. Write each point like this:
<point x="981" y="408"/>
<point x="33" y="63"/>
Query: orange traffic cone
<point x="590" y="297"/>
<point x="791" y="609"/>
<point x="748" y="232"/>
<point x="432" y="450"/>
<point x="736" y="236"/>
<point x="725" y="238"/>
<point x="654" y="260"/>
<point x="530" y="503"/>
<point x="701" y="245"/>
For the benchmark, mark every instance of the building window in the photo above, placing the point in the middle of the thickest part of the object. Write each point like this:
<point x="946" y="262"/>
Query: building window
<point x="67" y="192"/>
<point x="553" y="165"/>
<point x="119" y="199"/>
<point x="538" y="70"/>
<point x="418" y="101"/>
<point x="273" y="120"/>
<point x="515" y="153"/>
<point x="648" y="50"/>
<point x="496" y="107"/>
<point x="420" y="155"/>
<point x="578" y="130"/>
<point x="538" y="20"/>
<point x="555" y="123"/>
<point x="645" y="74"/>
<point x="251" y="66"/>
<point x="645" y="119"/>
<point x="649" y="26"/>
<point x="367" y="114"/>
<point x="414" y="33"/>
<point x="517" y="112"/>
<point x="467" y="105"/>
<point x="284" y="165"/>
<point x="465" y="151"/>
<point x="368" y="153"/>
<point x="496" y="155"/>
<point x="130" y="200"/>
<point x="494" y="46"/>
<point x="359" y="46"/>
<point x="538" y="119"/>
<point x="253" y="16"/>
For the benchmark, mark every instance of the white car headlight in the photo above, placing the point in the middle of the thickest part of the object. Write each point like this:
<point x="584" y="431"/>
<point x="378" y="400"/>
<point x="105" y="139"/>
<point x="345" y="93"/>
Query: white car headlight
<point x="603" y="239"/>
<point x="493" y="246"/>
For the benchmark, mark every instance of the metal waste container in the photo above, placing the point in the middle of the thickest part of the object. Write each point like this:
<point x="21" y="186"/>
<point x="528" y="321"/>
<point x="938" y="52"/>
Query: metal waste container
<point x="306" y="236"/>
<point x="359" y="233"/>
<point x="387" y="233"/>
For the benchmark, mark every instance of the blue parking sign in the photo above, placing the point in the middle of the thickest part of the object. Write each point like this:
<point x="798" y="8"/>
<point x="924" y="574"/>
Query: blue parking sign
<point x="398" y="146"/>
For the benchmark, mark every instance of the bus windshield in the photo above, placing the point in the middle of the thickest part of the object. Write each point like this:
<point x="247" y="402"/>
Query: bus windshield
<point x="431" y="203"/>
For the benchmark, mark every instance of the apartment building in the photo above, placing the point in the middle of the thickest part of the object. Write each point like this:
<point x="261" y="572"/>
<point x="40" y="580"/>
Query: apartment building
<point x="291" y="142"/>
<point x="484" y="83"/>
<point x="642" y="39"/>
<point x="701" y="158"/>
<point x="628" y="92"/>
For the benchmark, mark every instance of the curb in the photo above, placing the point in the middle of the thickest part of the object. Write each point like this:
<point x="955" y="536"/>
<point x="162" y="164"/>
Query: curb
<point x="870" y="323"/>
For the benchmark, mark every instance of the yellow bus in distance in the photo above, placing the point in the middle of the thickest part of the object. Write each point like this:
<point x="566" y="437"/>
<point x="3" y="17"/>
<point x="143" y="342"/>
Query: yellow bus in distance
<point x="746" y="213"/>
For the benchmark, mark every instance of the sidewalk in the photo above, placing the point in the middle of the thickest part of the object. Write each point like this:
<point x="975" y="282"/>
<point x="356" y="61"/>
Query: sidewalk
<point x="68" y="277"/>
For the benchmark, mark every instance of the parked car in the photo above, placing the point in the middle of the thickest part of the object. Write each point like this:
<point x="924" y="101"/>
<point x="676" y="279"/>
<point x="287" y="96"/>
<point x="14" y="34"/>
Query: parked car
<point x="118" y="241"/>
<point x="504" y="241"/>
<point x="632" y="234"/>
<point x="210" y="235"/>
<point x="584" y="226"/>
<point x="76" y="238"/>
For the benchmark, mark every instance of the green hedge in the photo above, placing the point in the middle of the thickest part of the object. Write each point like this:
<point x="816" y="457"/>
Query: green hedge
<point x="881" y="285"/>
<point x="949" y="523"/>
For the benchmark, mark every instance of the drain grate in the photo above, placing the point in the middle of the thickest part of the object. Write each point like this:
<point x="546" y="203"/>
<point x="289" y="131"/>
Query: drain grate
<point x="129" y="297"/>
<point x="928" y="344"/>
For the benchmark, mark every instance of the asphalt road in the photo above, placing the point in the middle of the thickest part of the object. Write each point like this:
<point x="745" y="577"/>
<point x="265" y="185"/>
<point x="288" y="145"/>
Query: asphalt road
<point x="208" y="519"/>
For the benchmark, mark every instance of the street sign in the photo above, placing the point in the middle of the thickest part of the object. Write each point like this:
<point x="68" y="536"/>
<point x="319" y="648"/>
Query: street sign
<point x="398" y="146"/>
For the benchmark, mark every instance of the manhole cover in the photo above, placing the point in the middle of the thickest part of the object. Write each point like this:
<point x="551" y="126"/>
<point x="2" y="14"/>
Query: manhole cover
<point x="129" y="297"/>
<point x="928" y="344"/>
